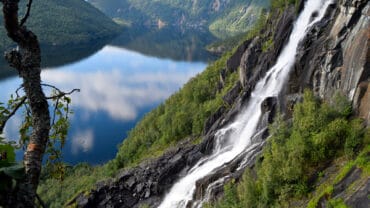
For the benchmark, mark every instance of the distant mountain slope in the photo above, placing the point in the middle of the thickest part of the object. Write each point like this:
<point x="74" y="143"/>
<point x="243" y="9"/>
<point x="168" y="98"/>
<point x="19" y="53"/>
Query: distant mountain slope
<point x="168" y="43"/>
<point x="64" y="22"/>
<point x="219" y="15"/>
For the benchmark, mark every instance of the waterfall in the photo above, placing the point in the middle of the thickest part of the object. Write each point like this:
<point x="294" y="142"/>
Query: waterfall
<point x="236" y="138"/>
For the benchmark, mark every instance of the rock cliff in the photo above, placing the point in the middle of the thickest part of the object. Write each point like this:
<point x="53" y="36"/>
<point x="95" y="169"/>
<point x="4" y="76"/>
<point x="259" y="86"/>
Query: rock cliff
<point x="333" y="58"/>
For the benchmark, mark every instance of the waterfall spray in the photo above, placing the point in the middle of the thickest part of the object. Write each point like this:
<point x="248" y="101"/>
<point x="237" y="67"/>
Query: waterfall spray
<point x="235" y="139"/>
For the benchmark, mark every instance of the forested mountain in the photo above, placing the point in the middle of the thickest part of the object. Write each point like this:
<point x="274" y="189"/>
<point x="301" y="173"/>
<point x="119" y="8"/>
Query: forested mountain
<point x="65" y="22"/>
<point x="219" y="15"/>
<point x="318" y="151"/>
<point x="168" y="42"/>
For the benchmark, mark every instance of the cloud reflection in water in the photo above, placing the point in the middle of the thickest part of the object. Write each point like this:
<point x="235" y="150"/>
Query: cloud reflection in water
<point x="82" y="140"/>
<point x="117" y="88"/>
<point x="121" y="88"/>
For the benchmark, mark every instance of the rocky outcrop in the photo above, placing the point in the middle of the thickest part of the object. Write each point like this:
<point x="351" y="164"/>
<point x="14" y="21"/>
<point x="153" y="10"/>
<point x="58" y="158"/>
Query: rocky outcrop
<point x="145" y="184"/>
<point x="334" y="57"/>
<point x="254" y="62"/>
<point x="356" y="196"/>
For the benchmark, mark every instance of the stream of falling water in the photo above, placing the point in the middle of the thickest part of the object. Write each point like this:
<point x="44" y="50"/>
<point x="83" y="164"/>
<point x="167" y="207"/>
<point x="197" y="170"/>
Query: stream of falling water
<point x="235" y="139"/>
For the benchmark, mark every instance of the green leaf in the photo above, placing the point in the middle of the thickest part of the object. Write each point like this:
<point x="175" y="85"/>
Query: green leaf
<point x="67" y="99"/>
<point x="10" y="154"/>
<point x="14" y="171"/>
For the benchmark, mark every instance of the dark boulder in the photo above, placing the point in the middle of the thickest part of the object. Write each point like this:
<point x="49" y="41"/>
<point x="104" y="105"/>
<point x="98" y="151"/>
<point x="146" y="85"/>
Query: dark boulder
<point x="233" y="62"/>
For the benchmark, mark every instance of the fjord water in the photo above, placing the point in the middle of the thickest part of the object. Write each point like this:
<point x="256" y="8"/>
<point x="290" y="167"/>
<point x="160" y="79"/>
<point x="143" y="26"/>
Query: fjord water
<point x="230" y="145"/>
<point x="118" y="87"/>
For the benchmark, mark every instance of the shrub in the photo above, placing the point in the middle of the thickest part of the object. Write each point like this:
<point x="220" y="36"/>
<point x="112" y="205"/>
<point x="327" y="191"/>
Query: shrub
<point x="319" y="133"/>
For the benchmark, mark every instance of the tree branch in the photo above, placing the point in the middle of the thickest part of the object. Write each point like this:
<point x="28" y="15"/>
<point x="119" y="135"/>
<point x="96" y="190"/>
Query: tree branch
<point x="28" y="64"/>
<point x="58" y="97"/>
<point x="11" y="114"/>
<point x="24" y="19"/>
<point x="62" y="94"/>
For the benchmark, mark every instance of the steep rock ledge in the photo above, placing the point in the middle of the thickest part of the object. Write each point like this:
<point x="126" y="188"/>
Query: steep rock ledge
<point x="147" y="184"/>
<point x="333" y="57"/>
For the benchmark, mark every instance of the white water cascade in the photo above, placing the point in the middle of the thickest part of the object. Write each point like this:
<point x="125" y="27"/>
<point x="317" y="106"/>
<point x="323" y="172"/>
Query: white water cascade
<point x="230" y="145"/>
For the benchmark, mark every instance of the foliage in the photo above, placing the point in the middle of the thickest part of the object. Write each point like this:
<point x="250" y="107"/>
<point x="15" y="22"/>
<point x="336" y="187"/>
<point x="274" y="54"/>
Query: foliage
<point x="238" y="19"/>
<point x="282" y="4"/>
<point x="258" y="26"/>
<point x="319" y="133"/>
<point x="230" y="43"/>
<point x="326" y="189"/>
<point x="56" y="193"/>
<point x="10" y="171"/>
<point x="232" y="17"/>
<point x="64" y="22"/>
<point x="59" y="126"/>
<point x="337" y="203"/>
<point x="167" y="42"/>
<point x="182" y="115"/>
<point x="268" y="44"/>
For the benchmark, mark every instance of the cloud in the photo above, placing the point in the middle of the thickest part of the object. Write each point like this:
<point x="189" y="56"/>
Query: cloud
<point x="82" y="140"/>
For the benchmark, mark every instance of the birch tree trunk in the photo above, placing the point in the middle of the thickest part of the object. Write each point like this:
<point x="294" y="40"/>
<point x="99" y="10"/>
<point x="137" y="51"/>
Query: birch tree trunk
<point x="26" y="60"/>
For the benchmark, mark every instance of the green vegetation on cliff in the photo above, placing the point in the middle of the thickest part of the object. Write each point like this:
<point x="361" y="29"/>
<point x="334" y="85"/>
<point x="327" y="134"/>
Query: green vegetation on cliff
<point x="65" y="22"/>
<point x="180" y="116"/>
<point x="319" y="133"/>
<point x="222" y="17"/>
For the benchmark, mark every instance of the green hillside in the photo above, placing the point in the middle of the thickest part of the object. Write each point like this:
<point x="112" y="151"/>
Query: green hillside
<point x="65" y="22"/>
<point x="304" y="160"/>
<point x="221" y="16"/>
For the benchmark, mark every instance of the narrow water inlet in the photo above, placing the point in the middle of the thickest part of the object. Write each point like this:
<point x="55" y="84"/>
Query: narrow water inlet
<point x="236" y="139"/>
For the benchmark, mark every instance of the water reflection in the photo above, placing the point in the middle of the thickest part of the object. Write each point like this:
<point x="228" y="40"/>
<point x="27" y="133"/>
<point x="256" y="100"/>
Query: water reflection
<point x="118" y="87"/>
<point x="120" y="82"/>
<point x="82" y="141"/>
<point x="168" y="42"/>
<point x="55" y="56"/>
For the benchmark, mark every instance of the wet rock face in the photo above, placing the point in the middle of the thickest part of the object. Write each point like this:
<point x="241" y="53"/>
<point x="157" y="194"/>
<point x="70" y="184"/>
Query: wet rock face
<point x="335" y="56"/>
<point x="143" y="185"/>
<point x="357" y="197"/>
<point x="254" y="62"/>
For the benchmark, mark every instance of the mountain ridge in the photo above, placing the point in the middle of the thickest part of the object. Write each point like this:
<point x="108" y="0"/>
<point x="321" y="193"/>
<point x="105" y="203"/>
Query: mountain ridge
<point x="220" y="16"/>
<point x="216" y="96"/>
<point x="251" y="60"/>
<point x="59" y="23"/>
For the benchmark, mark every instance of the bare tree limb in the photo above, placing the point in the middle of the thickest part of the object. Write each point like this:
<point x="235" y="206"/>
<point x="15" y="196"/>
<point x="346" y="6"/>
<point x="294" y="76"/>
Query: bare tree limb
<point x="24" y="19"/>
<point x="17" y="90"/>
<point x="11" y="114"/>
<point x="62" y="94"/>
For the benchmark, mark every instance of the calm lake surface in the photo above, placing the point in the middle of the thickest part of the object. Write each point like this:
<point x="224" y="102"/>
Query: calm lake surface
<point x="120" y="82"/>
